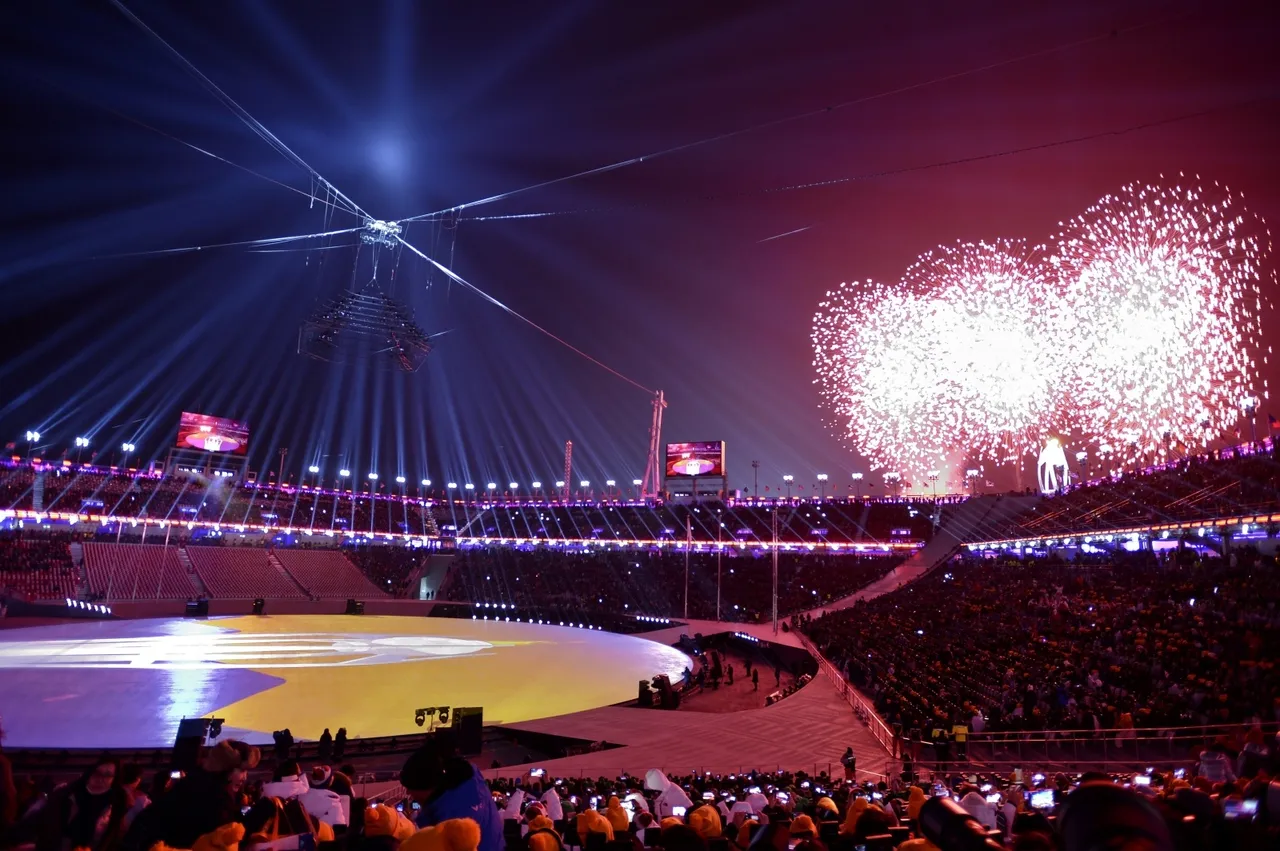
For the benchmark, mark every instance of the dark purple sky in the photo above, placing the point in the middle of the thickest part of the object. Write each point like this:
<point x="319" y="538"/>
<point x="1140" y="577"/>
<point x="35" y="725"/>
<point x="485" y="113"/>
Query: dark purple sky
<point x="411" y="107"/>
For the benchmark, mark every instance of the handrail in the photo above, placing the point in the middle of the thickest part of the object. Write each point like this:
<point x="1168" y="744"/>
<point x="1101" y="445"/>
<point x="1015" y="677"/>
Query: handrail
<point x="1129" y="733"/>
<point x="862" y="707"/>
<point x="832" y="769"/>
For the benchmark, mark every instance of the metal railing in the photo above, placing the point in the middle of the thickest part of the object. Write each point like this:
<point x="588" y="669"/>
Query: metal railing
<point x="1083" y="749"/>
<point x="832" y="769"/>
<point x="863" y="709"/>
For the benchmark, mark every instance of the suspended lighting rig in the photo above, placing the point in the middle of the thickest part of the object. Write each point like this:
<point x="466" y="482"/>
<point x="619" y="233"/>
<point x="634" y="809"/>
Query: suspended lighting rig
<point x="365" y="325"/>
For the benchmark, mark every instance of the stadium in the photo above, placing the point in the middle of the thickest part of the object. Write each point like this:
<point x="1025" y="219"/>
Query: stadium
<point x="689" y="486"/>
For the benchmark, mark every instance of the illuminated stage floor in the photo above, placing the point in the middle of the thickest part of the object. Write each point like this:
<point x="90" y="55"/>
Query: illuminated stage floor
<point x="129" y="683"/>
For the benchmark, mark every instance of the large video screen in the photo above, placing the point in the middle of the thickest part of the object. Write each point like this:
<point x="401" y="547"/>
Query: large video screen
<point x="694" y="460"/>
<point x="212" y="434"/>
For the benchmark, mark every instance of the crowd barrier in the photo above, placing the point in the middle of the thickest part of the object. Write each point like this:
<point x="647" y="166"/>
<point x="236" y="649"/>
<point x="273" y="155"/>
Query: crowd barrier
<point x="1142" y="748"/>
<point x="862" y="707"/>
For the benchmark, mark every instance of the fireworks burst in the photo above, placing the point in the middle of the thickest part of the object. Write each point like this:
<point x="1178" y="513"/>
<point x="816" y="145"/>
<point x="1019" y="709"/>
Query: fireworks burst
<point x="1161" y="310"/>
<point x="1141" y="330"/>
<point x="952" y="357"/>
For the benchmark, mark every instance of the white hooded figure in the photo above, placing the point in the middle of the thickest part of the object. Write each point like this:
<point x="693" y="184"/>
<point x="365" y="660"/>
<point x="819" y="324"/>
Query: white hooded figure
<point x="976" y="805"/>
<point x="551" y="800"/>
<point x="513" y="807"/>
<point x="323" y="804"/>
<point x="669" y="795"/>
<point x="1052" y="467"/>
<point x="758" y="802"/>
<point x="642" y="806"/>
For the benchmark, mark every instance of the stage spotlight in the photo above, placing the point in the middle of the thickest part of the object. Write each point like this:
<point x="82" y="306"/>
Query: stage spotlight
<point x="426" y="483"/>
<point x="344" y="473"/>
<point x="444" y="715"/>
<point x="399" y="480"/>
<point x="373" y="477"/>
<point x="584" y="484"/>
<point x="512" y="486"/>
<point x="636" y="482"/>
<point x="313" y="469"/>
<point x="535" y="485"/>
<point x="215" y="727"/>
<point x="469" y="486"/>
<point x="420" y="718"/>
<point x="610" y="483"/>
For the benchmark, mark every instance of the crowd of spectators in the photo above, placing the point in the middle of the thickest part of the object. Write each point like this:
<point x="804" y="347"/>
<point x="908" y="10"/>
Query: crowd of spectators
<point x="185" y="497"/>
<point x="652" y="582"/>
<point x="837" y="521"/>
<point x="1111" y="643"/>
<point x="1230" y="483"/>
<point x="389" y="568"/>
<point x="230" y="798"/>
<point x="37" y="567"/>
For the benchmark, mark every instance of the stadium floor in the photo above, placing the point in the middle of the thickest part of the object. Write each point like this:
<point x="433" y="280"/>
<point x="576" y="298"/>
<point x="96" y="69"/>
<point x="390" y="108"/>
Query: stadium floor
<point x="125" y="683"/>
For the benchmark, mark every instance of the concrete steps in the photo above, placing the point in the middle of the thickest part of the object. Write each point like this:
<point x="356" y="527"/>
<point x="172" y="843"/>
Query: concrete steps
<point x="196" y="582"/>
<point x="284" y="571"/>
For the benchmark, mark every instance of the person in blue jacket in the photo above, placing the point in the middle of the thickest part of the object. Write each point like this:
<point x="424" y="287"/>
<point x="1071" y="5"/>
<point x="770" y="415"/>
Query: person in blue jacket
<point x="447" y="786"/>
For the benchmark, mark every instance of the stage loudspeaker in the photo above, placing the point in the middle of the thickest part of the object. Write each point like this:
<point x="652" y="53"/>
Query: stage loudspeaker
<point x="187" y="745"/>
<point x="259" y="605"/>
<point x="355" y="607"/>
<point x="468" y="724"/>
<point x="197" y="609"/>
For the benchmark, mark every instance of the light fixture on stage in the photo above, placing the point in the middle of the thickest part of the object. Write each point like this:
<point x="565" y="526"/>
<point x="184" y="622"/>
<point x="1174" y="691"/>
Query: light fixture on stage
<point x="421" y="716"/>
<point x="215" y="727"/>
<point x="444" y="715"/>
<point x="365" y="325"/>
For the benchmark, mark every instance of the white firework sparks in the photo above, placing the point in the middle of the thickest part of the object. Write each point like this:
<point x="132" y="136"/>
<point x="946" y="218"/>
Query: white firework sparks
<point x="1161" y="309"/>
<point x="953" y="358"/>
<point x="1141" y="332"/>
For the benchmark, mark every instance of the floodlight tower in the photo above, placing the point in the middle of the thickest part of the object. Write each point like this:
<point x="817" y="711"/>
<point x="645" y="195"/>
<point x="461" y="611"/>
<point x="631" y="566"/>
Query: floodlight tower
<point x="568" y="466"/>
<point x="653" y="469"/>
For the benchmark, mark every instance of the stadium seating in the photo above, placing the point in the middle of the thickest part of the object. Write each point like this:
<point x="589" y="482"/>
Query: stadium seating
<point x="37" y="568"/>
<point x="240" y="572"/>
<point x="1118" y="640"/>
<point x="652" y="582"/>
<point x="136" y="571"/>
<point x="326" y="573"/>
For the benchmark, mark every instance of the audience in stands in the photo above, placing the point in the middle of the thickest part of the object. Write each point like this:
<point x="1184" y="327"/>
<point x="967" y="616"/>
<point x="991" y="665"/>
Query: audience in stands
<point x="595" y="583"/>
<point x="36" y="566"/>
<point x="1131" y="641"/>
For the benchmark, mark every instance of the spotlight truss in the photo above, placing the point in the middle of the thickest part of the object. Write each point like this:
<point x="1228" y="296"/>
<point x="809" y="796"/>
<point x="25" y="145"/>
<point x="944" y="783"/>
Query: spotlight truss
<point x="365" y="325"/>
<point x="378" y="232"/>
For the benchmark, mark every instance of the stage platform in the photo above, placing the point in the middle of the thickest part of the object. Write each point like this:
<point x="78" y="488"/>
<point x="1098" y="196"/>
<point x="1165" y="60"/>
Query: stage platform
<point x="127" y="683"/>
<point x="807" y="731"/>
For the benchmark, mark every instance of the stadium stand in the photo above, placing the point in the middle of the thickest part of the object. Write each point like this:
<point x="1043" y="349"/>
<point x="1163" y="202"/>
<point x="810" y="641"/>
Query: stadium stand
<point x="136" y="571"/>
<point x="37" y="568"/>
<point x="652" y="582"/>
<point x="240" y="572"/>
<point x="1113" y="642"/>
<point x="326" y="573"/>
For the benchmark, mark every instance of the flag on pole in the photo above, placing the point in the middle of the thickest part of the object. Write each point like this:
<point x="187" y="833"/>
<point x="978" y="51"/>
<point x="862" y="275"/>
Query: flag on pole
<point x="1273" y="422"/>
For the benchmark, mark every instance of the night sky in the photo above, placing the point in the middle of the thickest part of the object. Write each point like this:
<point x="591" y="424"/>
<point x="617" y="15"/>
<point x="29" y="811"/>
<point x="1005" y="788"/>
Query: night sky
<point x="659" y="268"/>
